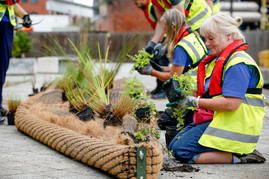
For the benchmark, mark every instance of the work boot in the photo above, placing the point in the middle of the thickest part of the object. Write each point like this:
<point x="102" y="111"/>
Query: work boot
<point x="3" y="111"/>
<point x="156" y="90"/>
<point x="159" y="95"/>
<point x="254" y="157"/>
<point x="2" y="119"/>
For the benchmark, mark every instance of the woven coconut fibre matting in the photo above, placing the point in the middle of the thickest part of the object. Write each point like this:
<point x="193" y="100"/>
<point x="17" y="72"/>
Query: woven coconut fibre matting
<point x="37" y="118"/>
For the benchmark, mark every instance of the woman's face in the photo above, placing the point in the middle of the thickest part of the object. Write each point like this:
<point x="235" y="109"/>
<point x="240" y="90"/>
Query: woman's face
<point x="217" y="43"/>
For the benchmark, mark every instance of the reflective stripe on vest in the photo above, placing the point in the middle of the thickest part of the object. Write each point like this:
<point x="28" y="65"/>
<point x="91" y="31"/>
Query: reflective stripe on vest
<point x="254" y="102"/>
<point x="198" y="17"/>
<point x="196" y="51"/>
<point x="199" y="11"/>
<point x="12" y="17"/>
<point x="1" y="14"/>
<point x="192" y="48"/>
<point x="231" y="135"/>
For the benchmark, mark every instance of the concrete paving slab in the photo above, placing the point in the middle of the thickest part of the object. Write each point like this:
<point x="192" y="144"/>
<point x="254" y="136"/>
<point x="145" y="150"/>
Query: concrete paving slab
<point x="23" y="157"/>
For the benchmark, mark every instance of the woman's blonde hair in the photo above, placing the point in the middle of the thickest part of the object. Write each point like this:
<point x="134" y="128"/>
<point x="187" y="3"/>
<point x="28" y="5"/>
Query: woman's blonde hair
<point x="174" y="20"/>
<point x="223" y="23"/>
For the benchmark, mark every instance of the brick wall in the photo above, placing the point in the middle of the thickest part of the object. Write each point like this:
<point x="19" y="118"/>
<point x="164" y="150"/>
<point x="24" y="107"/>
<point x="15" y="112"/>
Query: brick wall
<point x="38" y="8"/>
<point x="123" y="16"/>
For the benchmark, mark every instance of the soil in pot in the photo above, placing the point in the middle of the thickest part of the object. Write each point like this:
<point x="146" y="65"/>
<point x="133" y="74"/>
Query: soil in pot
<point x="86" y="114"/>
<point x="11" y="119"/>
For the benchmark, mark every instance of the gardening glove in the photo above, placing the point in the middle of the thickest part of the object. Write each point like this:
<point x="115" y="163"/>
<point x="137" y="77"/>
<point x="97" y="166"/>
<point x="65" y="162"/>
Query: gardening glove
<point x="159" y="51"/>
<point x="167" y="83"/>
<point x="146" y="70"/>
<point x="184" y="102"/>
<point x="27" y="22"/>
<point x="149" y="48"/>
<point x="156" y="66"/>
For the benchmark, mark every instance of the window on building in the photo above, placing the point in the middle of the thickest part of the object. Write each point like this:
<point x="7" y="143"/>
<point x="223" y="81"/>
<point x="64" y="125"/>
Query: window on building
<point x="24" y="1"/>
<point x="33" y="1"/>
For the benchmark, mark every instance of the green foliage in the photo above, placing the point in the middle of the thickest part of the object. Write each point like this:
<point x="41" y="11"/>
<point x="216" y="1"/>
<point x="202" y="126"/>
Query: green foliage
<point x="139" y="136"/>
<point x="21" y="44"/>
<point x="16" y="51"/>
<point x="134" y="88"/>
<point x="187" y="85"/>
<point x="141" y="59"/>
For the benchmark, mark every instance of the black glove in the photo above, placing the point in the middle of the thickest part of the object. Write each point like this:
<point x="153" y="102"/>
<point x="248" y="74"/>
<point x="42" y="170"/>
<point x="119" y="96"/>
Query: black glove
<point x="146" y="70"/>
<point x="156" y="66"/>
<point x="149" y="48"/>
<point x="27" y="22"/>
<point x="159" y="51"/>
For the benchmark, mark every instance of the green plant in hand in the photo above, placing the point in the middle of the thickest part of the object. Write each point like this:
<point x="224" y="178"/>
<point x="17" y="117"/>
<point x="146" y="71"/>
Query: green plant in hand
<point x="187" y="85"/>
<point x="141" y="59"/>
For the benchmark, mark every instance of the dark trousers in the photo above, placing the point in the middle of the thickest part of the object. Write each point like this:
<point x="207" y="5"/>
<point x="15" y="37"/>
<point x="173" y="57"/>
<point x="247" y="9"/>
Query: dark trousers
<point x="6" y="41"/>
<point x="164" y="61"/>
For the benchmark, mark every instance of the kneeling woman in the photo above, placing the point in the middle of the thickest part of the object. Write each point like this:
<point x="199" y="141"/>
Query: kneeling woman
<point x="229" y="84"/>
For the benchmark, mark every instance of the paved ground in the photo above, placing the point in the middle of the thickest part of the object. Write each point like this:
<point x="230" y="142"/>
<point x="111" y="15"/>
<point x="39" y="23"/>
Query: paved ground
<point x="23" y="157"/>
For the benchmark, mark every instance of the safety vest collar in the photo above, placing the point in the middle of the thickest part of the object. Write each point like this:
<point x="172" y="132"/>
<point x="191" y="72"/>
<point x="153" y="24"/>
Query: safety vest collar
<point x="160" y="4"/>
<point x="185" y="30"/>
<point x="215" y="85"/>
<point x="150" y="17"/>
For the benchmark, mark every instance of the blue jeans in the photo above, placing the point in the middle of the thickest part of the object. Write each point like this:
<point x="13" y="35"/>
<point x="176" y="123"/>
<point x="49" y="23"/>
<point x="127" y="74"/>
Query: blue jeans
<point x="185" y="145"/>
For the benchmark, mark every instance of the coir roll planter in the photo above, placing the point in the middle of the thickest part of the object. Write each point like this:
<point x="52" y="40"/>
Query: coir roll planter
<point x="36" y="117"/>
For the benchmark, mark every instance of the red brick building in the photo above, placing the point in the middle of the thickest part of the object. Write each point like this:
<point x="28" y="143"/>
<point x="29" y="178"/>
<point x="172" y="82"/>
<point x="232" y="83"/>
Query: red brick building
<point x="117" y="16"/>
<point x="122" y="16"/>
<point x="35" y="6"/>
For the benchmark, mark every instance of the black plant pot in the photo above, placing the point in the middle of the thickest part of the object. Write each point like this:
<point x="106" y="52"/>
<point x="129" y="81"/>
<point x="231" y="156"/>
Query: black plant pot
<point x="171" y="132"/>
<point x="142" y="113"/>
<point x="73" y="110"/>
<point x="86" y="114"/>
<point x="11" y="119"/>
<point x="64" y="98"/>
<point x="170" y="93"/>
<point x="35" y="91"/>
